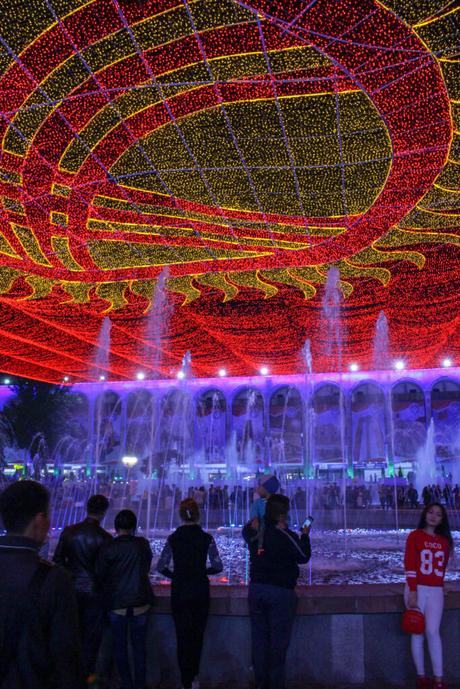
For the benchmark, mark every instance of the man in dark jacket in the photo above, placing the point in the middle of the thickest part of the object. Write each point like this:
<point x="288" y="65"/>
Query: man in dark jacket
<point x="272" y="601"/>
<point x="123" y="567"/>
<point x="39" y="643"/>
<point x="77" y="551"/>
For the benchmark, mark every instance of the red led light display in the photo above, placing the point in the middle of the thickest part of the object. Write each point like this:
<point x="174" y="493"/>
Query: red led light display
<point x="241" y="149"/>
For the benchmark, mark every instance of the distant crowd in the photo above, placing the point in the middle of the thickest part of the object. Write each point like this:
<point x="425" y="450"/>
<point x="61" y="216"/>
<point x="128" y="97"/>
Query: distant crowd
<point x="224" y="500"/>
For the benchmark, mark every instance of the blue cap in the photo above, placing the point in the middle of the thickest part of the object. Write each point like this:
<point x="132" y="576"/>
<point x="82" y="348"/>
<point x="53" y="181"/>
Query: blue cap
<point x="270" y="483"/>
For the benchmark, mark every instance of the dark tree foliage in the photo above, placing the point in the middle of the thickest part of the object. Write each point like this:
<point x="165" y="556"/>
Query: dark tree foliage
<point x="37" y="407"/>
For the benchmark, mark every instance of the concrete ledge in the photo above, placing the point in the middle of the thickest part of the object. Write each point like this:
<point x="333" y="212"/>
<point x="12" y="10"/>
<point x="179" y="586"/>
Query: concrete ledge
<point x="317" y="600"/>
<point x="343" y="636"/>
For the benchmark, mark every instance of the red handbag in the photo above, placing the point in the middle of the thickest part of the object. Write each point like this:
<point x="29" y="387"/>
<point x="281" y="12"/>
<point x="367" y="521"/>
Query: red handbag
<point x="413" y="621"/>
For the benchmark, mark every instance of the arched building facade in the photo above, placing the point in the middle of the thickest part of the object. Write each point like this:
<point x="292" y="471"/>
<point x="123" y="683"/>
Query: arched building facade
<point x="365" y="423"/>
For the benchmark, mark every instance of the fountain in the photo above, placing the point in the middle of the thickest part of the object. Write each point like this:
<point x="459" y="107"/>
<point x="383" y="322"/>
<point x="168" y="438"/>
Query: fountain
<point x="186" y="369"/>
<point x="102" y="352"/>
<point x="331" y="318"/>
<point x="426" y="462"/>
<point x="381" y="344"/>
<point x="158" y="321"/>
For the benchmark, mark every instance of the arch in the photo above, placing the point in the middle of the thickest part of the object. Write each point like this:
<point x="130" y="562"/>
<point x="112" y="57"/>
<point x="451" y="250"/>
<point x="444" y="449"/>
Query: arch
<point x="248" y="427"/>
<point x="408" y="419"/>
<point x="175" y="432"/>
<point x="209" y="400"/>
<point x="286" y="422"/>
<point x="327" y="439"/>
<point x="108" y="402"/>
<point x="211" y="426"/>
<point x="140" y="426"/>
<point x="368" y="423"/>
<point x="174" y="399"/>
<point x="326" y="395"/>
<point x="138" y="402"/>
<point x="107" y="427"/>
<point x="244" y="397"/>
<point x="445" y="388"/>
<point x="445" y="411"/>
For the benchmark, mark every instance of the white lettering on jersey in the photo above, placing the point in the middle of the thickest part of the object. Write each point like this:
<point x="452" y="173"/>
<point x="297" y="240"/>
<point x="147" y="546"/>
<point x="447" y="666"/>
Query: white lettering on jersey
<point x="427" y="566"/>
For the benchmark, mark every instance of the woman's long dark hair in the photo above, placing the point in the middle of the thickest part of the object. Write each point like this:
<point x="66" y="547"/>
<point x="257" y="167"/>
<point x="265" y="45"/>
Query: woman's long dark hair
<point x="443" y="529"/>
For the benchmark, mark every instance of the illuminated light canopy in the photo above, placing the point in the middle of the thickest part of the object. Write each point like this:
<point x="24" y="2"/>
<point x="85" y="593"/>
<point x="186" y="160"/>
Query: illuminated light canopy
<point x="264" y="371"/>
<point x="181" y="374"/>
<point x="354" y="367"/>
<point x="446" y="363"/>
<point x="102" y="378"/>
<point x="222" y="372"/>
<point x="7" y="381"/>
<point x="400" y="365"/>
<point x="140" y="375"/>
<point x="243" y="148"/>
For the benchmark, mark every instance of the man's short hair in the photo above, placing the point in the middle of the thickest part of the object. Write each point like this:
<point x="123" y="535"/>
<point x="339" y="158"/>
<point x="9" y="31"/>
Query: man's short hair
<point x="125" y="520"/>
<point x="20" y="503"/>
<point x="277" y="506"/>
<point x="97" y="504"/>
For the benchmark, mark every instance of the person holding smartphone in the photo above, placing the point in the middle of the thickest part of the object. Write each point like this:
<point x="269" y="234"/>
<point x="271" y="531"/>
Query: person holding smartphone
<point x="274" y="570"/>
<point x="425" y="561"/>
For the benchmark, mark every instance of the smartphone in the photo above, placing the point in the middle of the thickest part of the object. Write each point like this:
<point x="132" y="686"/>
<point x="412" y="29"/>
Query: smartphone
<point x="308" y="521"/>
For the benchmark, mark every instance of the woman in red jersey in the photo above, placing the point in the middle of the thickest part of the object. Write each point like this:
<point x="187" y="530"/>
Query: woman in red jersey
<point x="425" y="561"/>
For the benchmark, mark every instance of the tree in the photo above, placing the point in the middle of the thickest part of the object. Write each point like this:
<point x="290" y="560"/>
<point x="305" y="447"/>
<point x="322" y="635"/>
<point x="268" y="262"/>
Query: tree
<point x="37" y="408"/>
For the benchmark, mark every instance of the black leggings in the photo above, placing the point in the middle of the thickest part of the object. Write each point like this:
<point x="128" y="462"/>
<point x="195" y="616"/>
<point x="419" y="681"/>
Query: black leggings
<point x="190" y="617"/>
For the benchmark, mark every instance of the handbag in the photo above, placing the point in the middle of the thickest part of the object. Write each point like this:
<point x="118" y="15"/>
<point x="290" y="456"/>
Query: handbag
<point x="413" y="621"/>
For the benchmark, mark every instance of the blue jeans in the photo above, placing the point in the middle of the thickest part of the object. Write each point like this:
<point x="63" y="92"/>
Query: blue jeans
<point x="124" y="627"/>
<point x="272" y="613"/>
<point x="91" y="624"/>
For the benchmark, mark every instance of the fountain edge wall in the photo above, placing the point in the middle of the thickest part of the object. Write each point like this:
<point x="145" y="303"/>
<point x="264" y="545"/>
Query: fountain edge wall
<point x="342" y="635"/>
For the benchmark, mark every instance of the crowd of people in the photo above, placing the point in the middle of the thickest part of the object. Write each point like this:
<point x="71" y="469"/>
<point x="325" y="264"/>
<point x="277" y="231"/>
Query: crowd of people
<point x="52" y="616"/>
<point x="221" y="500"/>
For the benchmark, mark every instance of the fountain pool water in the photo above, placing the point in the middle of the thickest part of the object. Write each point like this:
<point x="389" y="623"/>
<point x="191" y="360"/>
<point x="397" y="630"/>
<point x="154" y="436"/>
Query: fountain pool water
<point x="372" y="557"/>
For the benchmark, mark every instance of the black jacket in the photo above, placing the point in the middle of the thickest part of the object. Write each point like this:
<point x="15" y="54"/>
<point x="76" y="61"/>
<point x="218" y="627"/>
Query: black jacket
<point x="188" y="549"/>
<point x="122" y="568"/>
<point x="77" y="551"/>
<point x="49" y="654"/>
<point x="282" y="552"/>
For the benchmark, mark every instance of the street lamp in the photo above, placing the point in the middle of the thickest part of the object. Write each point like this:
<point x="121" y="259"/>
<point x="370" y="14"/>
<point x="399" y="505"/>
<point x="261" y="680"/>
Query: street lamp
<point x="128" y="461"/>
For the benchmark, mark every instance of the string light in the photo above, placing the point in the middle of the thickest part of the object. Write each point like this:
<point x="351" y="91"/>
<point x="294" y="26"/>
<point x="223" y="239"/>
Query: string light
<point x="243" y="154"/>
